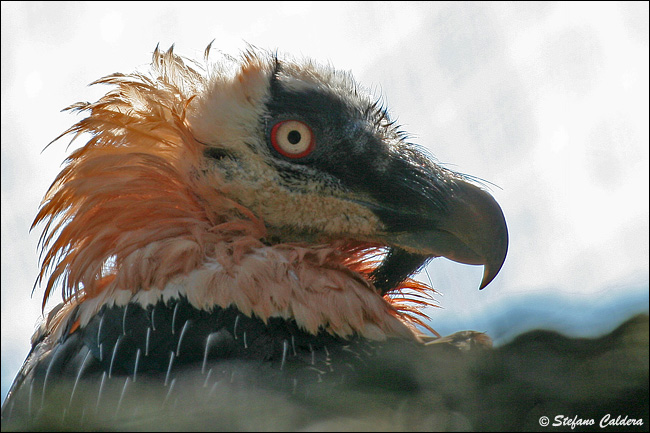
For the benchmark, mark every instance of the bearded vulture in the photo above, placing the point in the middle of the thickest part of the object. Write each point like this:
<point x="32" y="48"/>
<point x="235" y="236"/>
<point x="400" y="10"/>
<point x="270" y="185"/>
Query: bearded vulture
<point x="247" y="223"/>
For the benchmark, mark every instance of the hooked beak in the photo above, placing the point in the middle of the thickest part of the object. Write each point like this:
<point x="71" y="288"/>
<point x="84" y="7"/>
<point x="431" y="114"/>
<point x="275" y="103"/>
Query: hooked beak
<point x="473" y="231"/>
<point x="447" y="217"/>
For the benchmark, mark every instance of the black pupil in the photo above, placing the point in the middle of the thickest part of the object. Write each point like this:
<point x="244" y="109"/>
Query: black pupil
<point x="294" y="137"/>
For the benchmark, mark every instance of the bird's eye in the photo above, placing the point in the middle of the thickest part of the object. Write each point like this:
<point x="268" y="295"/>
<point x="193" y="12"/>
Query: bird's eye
<point x="292" y="138"/>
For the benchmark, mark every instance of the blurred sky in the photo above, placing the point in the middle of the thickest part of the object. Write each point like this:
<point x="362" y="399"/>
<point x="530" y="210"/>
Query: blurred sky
<point x="546" y="101"/>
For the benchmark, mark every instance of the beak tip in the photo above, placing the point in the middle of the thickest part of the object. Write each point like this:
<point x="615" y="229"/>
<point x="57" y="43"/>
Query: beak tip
<point x="493" y="267"/>
<point x="487" y="279"/>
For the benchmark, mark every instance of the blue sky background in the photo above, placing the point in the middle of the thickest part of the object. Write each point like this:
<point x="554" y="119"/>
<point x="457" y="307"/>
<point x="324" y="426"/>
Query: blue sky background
<point x="547" y="101"/>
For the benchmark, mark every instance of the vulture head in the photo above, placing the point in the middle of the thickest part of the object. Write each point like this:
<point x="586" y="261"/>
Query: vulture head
<point x="275" y="186"/>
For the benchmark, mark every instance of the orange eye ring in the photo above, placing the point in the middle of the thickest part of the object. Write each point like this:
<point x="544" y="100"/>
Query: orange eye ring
<point x="292" y="138"/>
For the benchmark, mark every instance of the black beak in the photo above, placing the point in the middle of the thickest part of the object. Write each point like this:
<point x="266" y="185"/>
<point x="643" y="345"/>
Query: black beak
<point x="472" y="231"/>
<point x="431" y="212"/>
